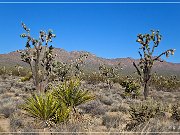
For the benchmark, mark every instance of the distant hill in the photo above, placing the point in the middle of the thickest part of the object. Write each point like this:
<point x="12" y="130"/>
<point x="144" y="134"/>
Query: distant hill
<point x="93" y="62"/>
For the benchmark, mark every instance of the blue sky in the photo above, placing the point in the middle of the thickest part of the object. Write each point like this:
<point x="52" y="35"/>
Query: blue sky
<point x="107" y="30"/>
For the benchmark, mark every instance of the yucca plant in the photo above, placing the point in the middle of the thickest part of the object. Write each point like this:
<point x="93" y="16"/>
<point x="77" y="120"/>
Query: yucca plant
<point x="70" y="94"/>
<point x="46" y="108"/>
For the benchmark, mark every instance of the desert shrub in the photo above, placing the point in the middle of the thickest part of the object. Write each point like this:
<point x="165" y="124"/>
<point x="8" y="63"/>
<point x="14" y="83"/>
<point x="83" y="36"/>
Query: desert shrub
<point x="106" y="100"/>
<point x="163" y="83"/>
<point x="3" y="70"/>
<point x="132" y="88"/>
<point x="1" y="130"/>
<point x="71" y="95"/>
<point x="94" y="107"/>
<point x="7" y="111"/>
<point x="111" y="119"/>
<point x="123" y="107"/>
<point x="158" y="125"/>
<point x="143" y="112"/>
<point x="2" y="90"/>
<point x="28" y="130"/>
<point x="118" y="79"/>
<point x="14" y="70"/>
<point x="15" y="122"/>
<point x="108" y="74"/>
<point x="46" y="108"/>
<point x="19" y="71"/>
<point x="26" y="78"/>
<point x="93" y="78"/>
<point x="72" y="128"/>
<point x="176" y="112"/>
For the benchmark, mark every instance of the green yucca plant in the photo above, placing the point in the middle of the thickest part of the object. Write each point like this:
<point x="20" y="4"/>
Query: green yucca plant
<point x="70" y="93"/>
<point x="46" y="108"/>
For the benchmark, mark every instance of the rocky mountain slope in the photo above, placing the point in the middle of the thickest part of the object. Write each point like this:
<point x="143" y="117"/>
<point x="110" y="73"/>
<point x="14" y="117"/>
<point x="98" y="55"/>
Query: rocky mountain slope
<point x="93" y="62"/>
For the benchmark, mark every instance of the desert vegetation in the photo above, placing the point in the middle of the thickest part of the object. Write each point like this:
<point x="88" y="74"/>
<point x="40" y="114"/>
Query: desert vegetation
<point x="53" y="96"/>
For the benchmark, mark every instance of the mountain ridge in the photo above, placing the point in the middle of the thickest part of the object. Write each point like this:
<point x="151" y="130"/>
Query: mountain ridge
<point x="93" y="61"/>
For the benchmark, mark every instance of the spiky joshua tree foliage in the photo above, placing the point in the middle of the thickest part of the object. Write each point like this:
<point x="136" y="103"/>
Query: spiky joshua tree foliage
<point x="108" y="73"/>
<point x="64" y="71"/>
<point x="144" y="67"/>
<point x="39" y="55"/>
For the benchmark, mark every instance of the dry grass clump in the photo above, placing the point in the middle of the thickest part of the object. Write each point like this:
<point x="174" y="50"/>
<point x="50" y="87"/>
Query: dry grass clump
<point x="106" y="100"/>
<point x="111" y="119"/>
<point x="6" y="111"/>
<point x="158" y="126"/>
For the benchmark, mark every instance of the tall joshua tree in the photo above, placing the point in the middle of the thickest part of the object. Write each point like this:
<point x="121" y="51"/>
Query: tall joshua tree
<point x="144" y="67"/>
<point x="39" y="55"/>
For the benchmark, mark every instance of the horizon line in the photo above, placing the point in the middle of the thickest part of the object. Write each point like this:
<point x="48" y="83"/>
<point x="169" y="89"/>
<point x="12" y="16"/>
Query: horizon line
<point x="92" y="53"/>
<point x="138" y="2"/>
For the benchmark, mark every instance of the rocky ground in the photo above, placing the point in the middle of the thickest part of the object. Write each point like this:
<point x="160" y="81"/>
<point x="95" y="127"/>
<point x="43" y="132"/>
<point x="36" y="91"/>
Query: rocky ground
<point x="107" y="114"/>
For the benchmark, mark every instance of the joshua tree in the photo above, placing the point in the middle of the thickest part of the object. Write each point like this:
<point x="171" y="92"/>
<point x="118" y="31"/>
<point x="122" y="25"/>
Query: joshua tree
<point x="39" y="55"/>
<point x="108" y="73"/>
<point x="147" y="60"/>
<point x="65" y="71"/>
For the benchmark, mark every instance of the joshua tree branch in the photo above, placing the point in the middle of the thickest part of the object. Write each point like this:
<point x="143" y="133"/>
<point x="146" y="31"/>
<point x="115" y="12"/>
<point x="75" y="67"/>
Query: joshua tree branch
<point x="138" y="71"/>
<point x="157" y="58"/>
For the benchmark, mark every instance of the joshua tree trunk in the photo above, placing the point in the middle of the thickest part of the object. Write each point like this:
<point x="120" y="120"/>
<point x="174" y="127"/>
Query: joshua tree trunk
<point x="146" y="89"/>
<point x="36" y="72"/>
<point x="147" y="76"/>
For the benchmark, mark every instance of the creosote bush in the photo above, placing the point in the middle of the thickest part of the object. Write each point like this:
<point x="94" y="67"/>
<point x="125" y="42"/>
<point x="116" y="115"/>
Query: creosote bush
<point x="144" y="111"/>
<point x="132" y="88"/>
<point x="93" y="78"/>
<point x="26" y="78"/>
<point x="14" y="71"/>
<point x="176" y="112"/>
<point x="169" y="83"/>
